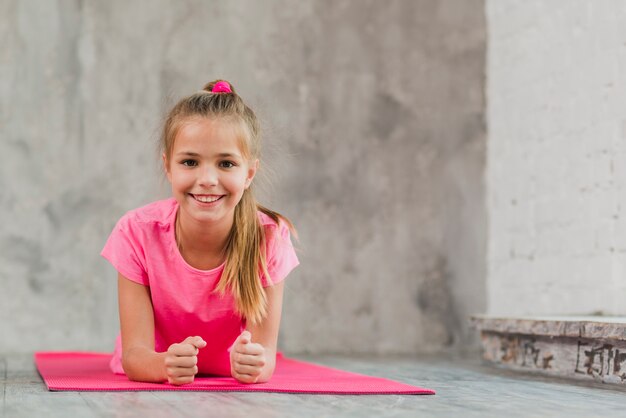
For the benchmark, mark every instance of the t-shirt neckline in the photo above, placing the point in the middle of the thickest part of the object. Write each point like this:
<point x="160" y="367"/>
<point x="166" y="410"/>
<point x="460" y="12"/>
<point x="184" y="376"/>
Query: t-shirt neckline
<point x="181" y="259"/>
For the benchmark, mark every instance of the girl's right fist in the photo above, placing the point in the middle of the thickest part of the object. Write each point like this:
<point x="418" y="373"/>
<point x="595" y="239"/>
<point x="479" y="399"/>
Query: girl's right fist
<point x="181" y="360"/>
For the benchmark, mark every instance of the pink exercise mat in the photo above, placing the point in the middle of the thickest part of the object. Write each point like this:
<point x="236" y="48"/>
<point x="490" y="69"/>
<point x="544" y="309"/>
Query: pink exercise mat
<point x="83" y="371"/>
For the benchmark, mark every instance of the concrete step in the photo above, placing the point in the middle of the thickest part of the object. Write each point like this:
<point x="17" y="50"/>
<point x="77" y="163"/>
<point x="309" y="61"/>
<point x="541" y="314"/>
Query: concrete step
<point x="584" y="348"/>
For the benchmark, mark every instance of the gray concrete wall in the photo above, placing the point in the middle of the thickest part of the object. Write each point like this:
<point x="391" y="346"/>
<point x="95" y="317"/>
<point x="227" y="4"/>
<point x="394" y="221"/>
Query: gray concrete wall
<point x="373" y="115"/>
<point x="557" y="152"/>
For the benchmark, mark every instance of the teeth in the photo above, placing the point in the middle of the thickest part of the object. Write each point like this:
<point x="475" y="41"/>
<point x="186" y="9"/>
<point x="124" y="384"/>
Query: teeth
<point x="206" y="199"/>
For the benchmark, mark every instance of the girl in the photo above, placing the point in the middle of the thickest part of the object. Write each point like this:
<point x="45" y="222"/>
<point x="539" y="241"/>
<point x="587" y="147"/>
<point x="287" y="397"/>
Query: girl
<point x="201" y="274"/>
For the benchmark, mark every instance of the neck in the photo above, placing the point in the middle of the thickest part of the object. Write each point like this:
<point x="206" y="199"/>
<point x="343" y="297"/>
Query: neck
<point x="199" y="237"/>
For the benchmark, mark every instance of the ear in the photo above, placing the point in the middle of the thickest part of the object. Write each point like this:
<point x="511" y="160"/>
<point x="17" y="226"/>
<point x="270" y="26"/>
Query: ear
<point x="166" y="167"/>
<point x="252" y="169"/>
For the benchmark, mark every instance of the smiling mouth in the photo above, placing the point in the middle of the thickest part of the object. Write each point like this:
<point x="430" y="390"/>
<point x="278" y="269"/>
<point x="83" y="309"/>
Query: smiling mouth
<point x="206" y="198"/>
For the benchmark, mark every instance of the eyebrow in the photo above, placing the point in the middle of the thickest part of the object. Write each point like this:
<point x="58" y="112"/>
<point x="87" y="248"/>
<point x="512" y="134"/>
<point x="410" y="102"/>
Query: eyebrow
<point x="228" y="155"/>
<point x="221" y="155"/>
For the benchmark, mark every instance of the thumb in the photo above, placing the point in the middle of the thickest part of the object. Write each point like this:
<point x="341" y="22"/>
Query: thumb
<point x="245" y="337"/>
<point x="196" y="341"/>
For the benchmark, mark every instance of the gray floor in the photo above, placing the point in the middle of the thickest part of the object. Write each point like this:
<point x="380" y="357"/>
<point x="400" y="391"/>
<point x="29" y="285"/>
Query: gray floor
<point x="464" y="388"/>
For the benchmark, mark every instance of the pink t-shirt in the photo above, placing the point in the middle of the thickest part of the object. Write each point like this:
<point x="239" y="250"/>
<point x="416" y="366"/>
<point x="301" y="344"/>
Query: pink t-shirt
<point x="142" y="247"/>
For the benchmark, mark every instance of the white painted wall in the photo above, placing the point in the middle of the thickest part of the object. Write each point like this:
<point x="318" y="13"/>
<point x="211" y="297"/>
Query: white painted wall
<point x="556" y="160"/>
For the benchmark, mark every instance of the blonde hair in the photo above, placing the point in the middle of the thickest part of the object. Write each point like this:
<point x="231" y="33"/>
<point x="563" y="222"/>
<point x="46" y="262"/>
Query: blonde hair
<point x="245" y="245"/>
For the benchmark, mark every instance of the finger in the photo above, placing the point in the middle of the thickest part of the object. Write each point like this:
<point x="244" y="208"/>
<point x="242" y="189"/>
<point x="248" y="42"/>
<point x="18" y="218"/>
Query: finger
<point x="254" y="349"/>
<point x="182" y="371"/>
<point x="245" y="337"/>
<point x="180" y="380"/>
<point x="249" y="370"/>
<point x="244" y="378"/>
<point x="183" y="349"/>
<point x="181" y="361"/>
<point x="199" y="342"/>
<point x="248" y="360"/>
<point x="196" y="341"/>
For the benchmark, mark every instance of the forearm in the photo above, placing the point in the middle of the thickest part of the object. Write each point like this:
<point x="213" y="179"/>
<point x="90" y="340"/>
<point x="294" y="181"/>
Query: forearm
<point x="144" y="365"/>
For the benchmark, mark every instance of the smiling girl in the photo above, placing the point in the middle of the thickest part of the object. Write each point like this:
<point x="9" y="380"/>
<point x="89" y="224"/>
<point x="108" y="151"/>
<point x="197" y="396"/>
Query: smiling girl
<point x="200" y="275"/>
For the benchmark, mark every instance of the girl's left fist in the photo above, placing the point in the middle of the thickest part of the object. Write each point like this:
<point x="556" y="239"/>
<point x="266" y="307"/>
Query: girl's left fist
<point x="247" y="359"/>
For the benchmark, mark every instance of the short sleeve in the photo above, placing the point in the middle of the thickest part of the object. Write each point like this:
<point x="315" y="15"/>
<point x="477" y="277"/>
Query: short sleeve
<point x="281" y="256"/>
<point x="124" y="251"/>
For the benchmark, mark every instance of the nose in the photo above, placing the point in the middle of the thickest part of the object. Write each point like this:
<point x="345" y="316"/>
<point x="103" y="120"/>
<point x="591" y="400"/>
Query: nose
<point x="208" y="177"/>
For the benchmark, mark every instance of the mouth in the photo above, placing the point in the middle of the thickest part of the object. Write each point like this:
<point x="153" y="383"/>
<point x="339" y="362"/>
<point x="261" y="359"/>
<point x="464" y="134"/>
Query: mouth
<point x="206" y="198"/>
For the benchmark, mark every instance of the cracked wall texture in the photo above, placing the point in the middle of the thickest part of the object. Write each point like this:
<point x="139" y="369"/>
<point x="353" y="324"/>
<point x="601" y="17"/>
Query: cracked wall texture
<point x="373" y="116"/>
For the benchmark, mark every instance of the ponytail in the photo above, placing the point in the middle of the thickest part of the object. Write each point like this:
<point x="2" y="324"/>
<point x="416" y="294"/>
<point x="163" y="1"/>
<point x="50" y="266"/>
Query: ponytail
<point x="245" y="260"/>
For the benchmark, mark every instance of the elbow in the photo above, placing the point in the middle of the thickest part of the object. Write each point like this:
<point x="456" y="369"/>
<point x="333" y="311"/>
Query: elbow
<point x="132" y="377"/>
<point x="138" y="369"/>
<point x="128" y="368"/>
<point x="131" y="373"/>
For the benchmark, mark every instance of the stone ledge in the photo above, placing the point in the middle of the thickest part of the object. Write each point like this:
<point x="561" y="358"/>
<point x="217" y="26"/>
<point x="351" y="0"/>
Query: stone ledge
<point x="591" y="327"/>
<point x="573" y="347"/>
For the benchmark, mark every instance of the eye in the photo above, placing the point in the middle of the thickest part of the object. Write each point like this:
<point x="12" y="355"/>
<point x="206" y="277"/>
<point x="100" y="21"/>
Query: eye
<point x="227" y="164"/>
<point x="189" y="163"/>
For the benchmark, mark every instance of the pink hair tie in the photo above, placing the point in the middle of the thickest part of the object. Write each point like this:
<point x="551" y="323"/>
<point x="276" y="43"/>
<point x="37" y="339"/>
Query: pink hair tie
<point x="221" y="87"/>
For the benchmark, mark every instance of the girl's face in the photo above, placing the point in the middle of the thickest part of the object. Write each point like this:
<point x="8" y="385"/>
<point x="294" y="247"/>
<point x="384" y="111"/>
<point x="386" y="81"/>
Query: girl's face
<point x="208" y="170"/>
